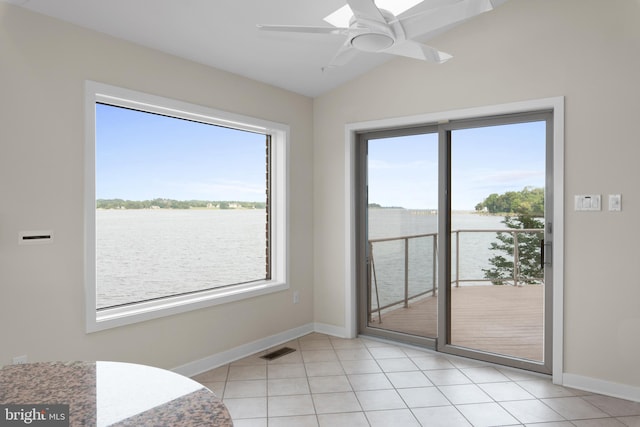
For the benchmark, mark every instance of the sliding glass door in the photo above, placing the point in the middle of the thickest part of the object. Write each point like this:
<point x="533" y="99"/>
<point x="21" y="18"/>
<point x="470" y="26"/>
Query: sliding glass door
<point x="400" y="220"/>
<point x="498" y="286"/>
<point x="454" y="221"/>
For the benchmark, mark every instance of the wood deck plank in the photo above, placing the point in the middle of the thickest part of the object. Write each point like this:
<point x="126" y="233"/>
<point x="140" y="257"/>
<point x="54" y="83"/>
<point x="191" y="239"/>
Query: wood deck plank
<point x="506" y="320"/>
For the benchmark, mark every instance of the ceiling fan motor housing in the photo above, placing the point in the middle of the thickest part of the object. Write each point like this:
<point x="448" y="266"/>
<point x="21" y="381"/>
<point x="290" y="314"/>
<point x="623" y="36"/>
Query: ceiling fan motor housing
<point x="372" y="42"/>
<point x="372" y="36"/>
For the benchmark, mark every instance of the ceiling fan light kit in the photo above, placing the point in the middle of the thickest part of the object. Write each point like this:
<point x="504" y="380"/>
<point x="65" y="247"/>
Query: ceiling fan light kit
<point x="372" y="29"/>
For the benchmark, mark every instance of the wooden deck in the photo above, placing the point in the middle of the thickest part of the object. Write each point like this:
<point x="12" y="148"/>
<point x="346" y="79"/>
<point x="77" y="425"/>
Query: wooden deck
<point x="499" y="319"/>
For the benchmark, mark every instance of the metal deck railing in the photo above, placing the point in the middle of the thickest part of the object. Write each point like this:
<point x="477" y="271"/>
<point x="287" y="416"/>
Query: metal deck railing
<point x="372" y="277"/>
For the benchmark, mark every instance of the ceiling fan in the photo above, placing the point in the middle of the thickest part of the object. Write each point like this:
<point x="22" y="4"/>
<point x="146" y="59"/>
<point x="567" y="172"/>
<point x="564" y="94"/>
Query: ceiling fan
<point x="373" y="29"/>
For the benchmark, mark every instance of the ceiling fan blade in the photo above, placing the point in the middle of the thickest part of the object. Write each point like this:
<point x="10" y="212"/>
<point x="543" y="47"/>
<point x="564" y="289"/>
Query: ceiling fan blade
<point x="432" y="4"/>
<point x="366" y="9"/>
<point x="303" y="29"/>
<point x="432" y="20"/>
<point x="345" y="54"/>
<point x="412" y="49"/>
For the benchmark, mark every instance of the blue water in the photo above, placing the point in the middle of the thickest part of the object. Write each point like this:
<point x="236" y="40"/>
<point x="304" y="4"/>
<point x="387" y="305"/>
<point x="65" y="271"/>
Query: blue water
<point x="389" y="257"/>
<point x="144" y="254"/>
<point x="152" y="253"/>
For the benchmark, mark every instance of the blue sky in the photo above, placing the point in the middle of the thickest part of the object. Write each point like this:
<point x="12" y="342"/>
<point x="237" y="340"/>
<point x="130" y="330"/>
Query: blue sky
<point x="403" y="171"/>
<point x="142" y="156"/>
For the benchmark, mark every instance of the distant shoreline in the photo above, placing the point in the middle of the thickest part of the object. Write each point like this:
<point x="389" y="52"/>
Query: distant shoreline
<point x="435" y="211"/>
<point x="175" y="209"/>
<point x="153" y="204"/>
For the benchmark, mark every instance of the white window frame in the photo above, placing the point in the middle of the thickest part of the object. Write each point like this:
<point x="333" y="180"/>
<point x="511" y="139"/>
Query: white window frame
<point x="138" y="312"/>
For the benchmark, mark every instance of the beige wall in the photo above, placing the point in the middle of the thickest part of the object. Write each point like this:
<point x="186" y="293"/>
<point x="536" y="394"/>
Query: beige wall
<point x="585" y="50"/>
<point x="43" y="66"/>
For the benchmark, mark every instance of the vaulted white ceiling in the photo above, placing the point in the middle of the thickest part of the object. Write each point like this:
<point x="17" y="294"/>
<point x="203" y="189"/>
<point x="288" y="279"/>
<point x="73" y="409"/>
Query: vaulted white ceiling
<point x="223" y="34"/>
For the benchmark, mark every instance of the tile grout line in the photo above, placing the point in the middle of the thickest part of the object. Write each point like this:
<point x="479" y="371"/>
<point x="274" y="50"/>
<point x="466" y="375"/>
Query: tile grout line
<point x="313" y="402"/>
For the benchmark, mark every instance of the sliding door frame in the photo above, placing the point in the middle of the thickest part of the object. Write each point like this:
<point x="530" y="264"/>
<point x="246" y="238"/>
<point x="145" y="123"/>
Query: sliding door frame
<point x="362" y="248"/>
<point x="556" y="105"/>
<point x="445" y="309"/>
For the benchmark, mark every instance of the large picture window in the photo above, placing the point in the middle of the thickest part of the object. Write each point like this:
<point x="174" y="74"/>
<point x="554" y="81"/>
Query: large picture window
<point x="185" y="206"/>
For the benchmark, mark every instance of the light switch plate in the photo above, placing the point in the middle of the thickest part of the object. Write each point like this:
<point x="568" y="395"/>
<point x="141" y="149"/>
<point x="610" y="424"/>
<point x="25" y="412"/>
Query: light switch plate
<point x="615" y="202"/>
<point x="587" y="202"/>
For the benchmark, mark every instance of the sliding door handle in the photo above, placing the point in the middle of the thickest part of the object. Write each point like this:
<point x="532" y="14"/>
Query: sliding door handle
<point x="545" y="253"/>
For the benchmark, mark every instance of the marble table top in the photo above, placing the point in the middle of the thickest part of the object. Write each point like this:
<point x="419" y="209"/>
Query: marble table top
<point x="113" y="394"/>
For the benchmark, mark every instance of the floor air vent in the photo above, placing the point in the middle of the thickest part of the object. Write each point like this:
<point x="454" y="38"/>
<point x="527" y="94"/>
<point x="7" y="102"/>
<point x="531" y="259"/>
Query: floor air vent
<point x="278" y="353"/>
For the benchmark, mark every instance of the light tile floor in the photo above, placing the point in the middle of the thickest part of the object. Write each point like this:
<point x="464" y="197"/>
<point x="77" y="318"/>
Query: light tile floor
<point x="337" y="382"/>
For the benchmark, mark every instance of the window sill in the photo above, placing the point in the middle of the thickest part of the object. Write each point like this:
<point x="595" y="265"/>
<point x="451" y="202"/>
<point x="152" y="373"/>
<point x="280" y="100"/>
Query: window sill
<point x="140" y="312"/>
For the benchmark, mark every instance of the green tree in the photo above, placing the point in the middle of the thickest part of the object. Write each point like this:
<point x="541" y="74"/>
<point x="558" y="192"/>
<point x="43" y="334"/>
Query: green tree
<point x="529" y="269"/>
<point x="525" y="210"/>
<point x="529" y="201"/>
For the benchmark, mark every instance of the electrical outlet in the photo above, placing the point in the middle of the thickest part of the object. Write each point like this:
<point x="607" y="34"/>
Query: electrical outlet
<point x="20" y="360"/>
<point x="296" y="297"/>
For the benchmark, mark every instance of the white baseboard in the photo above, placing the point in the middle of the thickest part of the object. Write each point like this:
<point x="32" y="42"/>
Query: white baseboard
<point x="219" y="359"/>
<point x="335" y="331"/>
<point x="198" y="366"/>
<point x="607" y="388"/>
